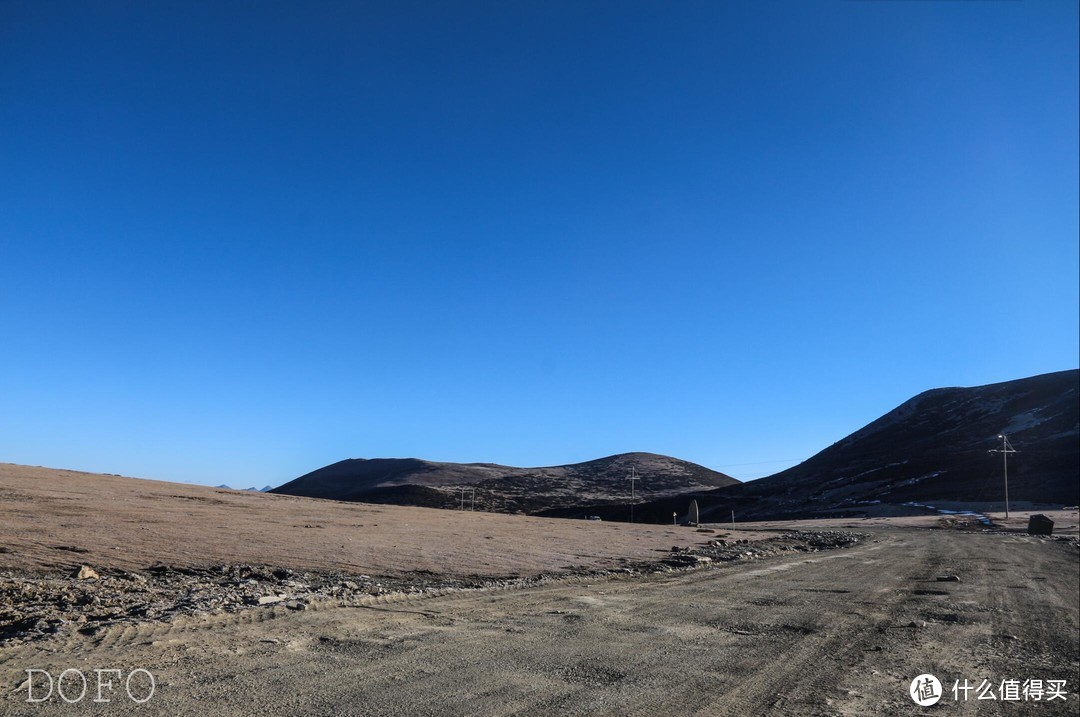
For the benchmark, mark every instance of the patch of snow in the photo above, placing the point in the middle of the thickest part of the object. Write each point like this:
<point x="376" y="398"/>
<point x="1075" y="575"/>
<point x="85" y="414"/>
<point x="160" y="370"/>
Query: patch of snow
<point x="985" y="520"/>
<point x="913" y="481"/>
<point x="1024" y="421"/>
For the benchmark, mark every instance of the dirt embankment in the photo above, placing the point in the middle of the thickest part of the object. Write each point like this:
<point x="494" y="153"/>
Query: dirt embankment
<point x="55" y="520"/>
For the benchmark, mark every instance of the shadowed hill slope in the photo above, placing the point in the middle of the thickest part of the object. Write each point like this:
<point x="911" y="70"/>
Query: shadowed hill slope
<point x="411" y="481"/>
<point x="933" y="448"/>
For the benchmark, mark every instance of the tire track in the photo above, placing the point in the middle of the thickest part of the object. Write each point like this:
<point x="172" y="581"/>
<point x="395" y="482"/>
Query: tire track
<point x="800" y="634"/>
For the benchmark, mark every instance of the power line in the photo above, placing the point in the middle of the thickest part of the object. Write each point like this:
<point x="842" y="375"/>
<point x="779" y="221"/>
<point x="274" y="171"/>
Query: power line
<point x="759" y="463"/>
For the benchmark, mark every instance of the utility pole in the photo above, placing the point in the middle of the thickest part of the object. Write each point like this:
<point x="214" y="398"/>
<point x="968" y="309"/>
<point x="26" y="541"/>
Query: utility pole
<point x="733" y="520"/>
<point x="633" y="495"/>
<point x="1005" y="450"/>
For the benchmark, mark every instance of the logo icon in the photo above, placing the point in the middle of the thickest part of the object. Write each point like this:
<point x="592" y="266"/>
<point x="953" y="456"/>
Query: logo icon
<point x="925" y="690"/>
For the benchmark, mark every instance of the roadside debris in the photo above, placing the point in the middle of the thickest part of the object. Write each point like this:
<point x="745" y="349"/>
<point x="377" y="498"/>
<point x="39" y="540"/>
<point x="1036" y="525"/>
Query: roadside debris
<point x="33" y="607"/>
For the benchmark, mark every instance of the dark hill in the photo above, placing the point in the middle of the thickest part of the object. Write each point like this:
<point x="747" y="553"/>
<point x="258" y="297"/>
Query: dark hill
<point x="932" y="449"/>
<point x="411" y="481"/>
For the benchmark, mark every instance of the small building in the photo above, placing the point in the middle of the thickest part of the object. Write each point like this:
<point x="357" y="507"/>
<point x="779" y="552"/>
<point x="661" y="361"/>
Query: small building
<point x="1039" y="524"/>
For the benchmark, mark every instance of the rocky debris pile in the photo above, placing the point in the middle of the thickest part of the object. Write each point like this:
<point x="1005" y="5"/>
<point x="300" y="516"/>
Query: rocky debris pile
<point x="813" y="540"/>
<point x="87" y="599"/>
<point x="1072" y="540"/>
<point x="804" y="541"/>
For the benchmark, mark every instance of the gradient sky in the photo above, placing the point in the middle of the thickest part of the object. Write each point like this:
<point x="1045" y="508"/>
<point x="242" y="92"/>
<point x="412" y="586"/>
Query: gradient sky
<point x="242" y="240"/>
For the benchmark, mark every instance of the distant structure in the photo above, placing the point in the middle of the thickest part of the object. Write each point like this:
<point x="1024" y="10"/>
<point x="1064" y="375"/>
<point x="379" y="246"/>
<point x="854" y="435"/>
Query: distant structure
<point x="692" y="515"/>
<point x="1040" y="524"/>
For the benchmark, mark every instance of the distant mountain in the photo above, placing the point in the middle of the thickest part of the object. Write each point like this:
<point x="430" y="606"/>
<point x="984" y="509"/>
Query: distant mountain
<point x="411" y="481"/>
<point x="929" y="450"/>
<point x="264" y="489"/>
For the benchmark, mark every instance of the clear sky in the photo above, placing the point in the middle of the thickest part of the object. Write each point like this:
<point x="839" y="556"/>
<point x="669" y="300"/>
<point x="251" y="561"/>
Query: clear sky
<point x="242" y="240"/>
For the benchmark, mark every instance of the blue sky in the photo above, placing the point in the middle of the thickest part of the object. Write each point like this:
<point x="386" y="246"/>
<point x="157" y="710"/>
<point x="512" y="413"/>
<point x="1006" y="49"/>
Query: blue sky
<point x="241" y="240"/>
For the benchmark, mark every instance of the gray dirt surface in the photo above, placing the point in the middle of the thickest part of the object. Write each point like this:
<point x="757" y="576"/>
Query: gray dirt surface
<point x="789" y="632"/>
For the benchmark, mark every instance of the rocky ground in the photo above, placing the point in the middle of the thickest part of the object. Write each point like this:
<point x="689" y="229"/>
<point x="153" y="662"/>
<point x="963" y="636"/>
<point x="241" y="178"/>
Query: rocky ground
<point x="799" y="541"/>
<point x="87" y="600"/>
<point x="784" y="631"/>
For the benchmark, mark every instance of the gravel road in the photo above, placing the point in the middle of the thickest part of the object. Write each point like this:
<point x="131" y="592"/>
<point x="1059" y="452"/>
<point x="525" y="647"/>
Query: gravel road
<point x="841" y="632"/>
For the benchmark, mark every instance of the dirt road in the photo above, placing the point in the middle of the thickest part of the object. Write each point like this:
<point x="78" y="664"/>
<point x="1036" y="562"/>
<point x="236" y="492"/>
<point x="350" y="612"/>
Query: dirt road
<point x="835" y="633"/>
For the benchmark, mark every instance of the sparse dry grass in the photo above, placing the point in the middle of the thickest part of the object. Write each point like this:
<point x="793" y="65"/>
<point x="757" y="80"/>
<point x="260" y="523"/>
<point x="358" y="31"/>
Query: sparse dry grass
<point x="50" y="517"/>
